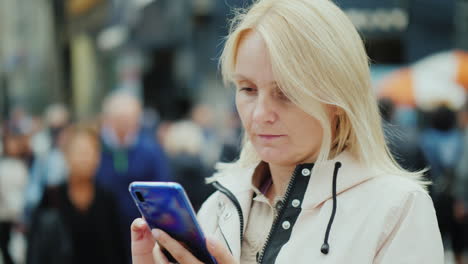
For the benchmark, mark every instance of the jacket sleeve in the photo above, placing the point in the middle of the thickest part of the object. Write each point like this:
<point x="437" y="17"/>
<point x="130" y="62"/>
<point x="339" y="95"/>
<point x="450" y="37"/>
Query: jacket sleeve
<point x="414" y="236"/>
<point x="207" y="215"/>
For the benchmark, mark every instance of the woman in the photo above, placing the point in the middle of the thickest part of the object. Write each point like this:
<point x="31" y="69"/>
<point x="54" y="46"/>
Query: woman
<point x="77" y="222"/>
<point x="315" y="182"/>
<point x="13" y="180"/>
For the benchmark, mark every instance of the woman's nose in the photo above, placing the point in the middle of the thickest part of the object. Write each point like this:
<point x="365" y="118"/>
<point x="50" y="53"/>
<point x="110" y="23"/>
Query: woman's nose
<point x="264" y="111"/>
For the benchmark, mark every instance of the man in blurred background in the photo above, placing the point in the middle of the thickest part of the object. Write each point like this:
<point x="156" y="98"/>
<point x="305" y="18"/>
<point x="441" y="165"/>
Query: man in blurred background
<point x="127" y="155"/>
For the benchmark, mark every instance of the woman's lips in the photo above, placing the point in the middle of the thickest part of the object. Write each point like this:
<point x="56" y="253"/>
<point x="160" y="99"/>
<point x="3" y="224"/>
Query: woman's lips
<point x="270" y="137"/>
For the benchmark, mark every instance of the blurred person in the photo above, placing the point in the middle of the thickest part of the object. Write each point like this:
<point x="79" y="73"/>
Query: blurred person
<point x="461" y="177"/>
<point x="49" y="167"/>
<point x="441" y="143"/>
<point x="315" y="181"/>
<point x="150" y="121"/>
<point x="232" y="138"/>
<point x="24" y="148"/>
<point x="56" y="118"/>
<point x="13" y="179"/>
<point x="203" y="116"/>
<point x="127" y="155"/>
<point x="20" y="121"/>
<point x="22" y="124"/>
<point x="161" y="132"/>
<point x="403" y="143"/>
<point x="461" y="173"/>
<point x="184" y="143"/>
<point x="77" y="222"/>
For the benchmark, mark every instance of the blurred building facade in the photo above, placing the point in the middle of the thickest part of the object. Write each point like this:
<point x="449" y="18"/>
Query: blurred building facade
<point x="76" y="51"/>
<point x="461" y="24"/>
<point x="404" y="31"/>
<point x="30" y="70"/>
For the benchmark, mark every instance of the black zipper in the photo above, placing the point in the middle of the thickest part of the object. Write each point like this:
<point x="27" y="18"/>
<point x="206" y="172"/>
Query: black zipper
<point x="275" y="224"/>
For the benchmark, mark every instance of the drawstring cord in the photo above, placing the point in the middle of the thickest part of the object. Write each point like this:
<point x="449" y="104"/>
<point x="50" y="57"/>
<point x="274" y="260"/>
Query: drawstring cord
<point x="326" y="247"/>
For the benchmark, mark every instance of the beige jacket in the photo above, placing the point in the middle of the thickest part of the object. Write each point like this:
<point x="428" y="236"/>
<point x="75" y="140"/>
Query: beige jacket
<point x="379" y="218"/>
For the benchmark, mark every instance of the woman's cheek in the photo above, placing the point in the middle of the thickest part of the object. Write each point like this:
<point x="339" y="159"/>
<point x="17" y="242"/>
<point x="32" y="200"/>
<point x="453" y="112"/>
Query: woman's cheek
<point x="244" y="112"/>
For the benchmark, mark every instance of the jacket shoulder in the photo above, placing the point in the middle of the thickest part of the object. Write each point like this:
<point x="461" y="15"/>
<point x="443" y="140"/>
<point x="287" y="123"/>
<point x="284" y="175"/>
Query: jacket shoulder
<point x="409" y="225"/>
<point x="392" y="193"/>
<point x="395" y="185"/>
<point x="207" y="215"/>
<point x="396" y="197"/>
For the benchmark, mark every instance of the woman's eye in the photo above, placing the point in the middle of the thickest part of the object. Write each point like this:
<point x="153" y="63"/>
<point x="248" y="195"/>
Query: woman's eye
<point x="247" y="89"/>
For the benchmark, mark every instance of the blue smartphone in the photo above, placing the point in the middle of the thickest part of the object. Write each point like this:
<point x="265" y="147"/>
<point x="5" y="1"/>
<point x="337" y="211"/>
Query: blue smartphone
<point x="165" y="206"/>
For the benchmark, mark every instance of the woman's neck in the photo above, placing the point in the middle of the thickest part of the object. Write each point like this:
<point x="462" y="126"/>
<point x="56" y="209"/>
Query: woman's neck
<point x="280" y="176"/>
<point x="81" y="193"/>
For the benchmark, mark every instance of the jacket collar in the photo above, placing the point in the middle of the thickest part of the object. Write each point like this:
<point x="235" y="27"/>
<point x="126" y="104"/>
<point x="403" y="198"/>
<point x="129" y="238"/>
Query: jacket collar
<point x="351" y="174"/>
<point x="319" y="190"/>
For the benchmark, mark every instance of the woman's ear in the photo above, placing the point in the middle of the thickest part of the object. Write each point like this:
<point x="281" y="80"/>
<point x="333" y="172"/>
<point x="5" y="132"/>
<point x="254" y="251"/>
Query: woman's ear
<point x="336" y="111"/>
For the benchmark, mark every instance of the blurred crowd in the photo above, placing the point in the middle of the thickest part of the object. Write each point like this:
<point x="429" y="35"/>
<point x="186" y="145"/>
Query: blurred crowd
<point x="435" y="140"/>
<point x="64" y="183"/>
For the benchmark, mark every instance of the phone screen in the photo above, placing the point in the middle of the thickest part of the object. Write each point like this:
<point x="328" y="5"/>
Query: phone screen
<point x="165" y="206"/>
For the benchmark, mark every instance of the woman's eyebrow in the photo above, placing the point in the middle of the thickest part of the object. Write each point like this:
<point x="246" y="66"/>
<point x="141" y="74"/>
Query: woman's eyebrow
<point x="238" y="77"/>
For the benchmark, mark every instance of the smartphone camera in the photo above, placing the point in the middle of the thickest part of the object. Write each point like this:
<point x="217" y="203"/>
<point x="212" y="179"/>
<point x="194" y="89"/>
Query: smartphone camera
<point x="140" y="197"/>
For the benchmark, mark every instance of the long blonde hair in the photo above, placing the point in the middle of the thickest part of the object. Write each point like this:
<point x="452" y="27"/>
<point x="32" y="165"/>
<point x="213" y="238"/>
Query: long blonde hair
<point x="318" y="59"/>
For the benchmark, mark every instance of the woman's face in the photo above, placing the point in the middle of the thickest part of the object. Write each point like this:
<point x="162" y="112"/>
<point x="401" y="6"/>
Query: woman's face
<point x="12" y="146"/>
<point x="280" y="131"/>
<point x="82" y="156"/>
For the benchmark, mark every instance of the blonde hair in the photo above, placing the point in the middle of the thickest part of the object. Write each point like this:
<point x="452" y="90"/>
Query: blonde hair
<point x="318" y="59"/>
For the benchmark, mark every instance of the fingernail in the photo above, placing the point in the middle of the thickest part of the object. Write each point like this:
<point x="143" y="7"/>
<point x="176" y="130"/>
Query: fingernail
<point x="140" y="222"/>
<point x="156" y="233"/>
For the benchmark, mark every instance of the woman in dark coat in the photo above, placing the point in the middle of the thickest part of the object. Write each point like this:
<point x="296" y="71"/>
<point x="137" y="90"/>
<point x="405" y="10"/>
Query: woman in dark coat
<point x="77" y="222"/>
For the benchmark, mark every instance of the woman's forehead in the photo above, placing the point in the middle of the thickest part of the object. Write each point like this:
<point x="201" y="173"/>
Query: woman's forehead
<point x="253" y="61"/>
<point x="252" y="48"/>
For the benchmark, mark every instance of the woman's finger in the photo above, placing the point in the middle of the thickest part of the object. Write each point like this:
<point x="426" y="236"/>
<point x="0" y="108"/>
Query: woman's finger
<point x="219" y="252"/>
<point x="180" y="253"/>
<point x="138" y="229"/>
<point x="159" y="256"/>
<point x="142" y="242"/>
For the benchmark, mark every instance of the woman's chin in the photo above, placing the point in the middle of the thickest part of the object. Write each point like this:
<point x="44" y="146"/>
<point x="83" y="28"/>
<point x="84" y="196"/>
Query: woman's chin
<point x="275" y="156"/>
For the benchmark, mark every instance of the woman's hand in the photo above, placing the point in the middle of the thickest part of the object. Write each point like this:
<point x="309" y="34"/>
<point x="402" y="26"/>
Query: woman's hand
<point x="183" y="256"/>
<point x="146" y="250"/>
